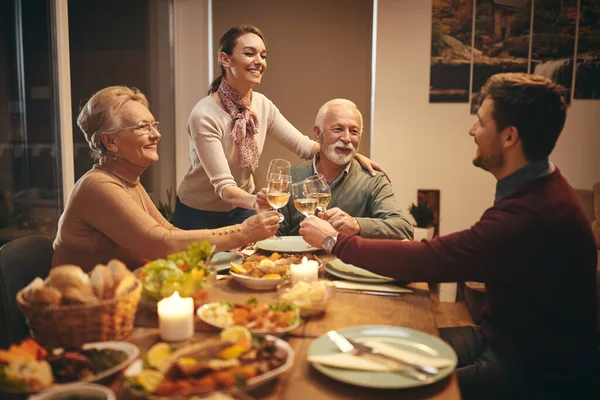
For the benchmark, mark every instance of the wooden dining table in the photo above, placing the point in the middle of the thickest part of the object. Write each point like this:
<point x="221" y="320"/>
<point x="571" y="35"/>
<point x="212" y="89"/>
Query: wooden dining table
<point x="302" y="381"/>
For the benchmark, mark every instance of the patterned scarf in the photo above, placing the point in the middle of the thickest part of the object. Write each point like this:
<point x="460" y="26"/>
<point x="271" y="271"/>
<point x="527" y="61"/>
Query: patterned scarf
<point x="245" y="124"/>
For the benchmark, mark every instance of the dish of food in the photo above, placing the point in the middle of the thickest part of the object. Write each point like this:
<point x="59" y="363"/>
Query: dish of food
<point x="236" y="359"/>
<point x="289" y="244"/>
<point x="311" y="298"/>
<point x="222" y="260"/>
<point x="264" y="273"/>
<point x="184" y="272"/>
<point x="259" y="318"/>
<point x="350" y="272"/>
<point x="29" y="368"/>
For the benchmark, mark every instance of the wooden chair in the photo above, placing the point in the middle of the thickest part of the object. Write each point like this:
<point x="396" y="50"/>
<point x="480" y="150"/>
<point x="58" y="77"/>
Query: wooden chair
<point x="21" y="260"/>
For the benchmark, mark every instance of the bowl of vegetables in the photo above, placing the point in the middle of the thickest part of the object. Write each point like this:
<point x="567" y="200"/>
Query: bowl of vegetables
<point x="186" y="272"/>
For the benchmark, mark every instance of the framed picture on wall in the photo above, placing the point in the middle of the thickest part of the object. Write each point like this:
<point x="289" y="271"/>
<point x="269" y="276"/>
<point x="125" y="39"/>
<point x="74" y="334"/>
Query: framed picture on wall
<point x="432" y="198"/>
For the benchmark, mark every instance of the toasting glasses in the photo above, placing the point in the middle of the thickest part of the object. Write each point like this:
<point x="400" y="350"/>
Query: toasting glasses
<point x="278" y="191"/>
<point x="301" y="194"/>
<point x="321" y="191"/>
<point x="279" y="179"/>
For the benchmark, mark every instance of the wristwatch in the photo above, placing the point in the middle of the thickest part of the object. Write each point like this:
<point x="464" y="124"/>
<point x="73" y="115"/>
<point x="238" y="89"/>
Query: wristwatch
<point x="329" y="242"/>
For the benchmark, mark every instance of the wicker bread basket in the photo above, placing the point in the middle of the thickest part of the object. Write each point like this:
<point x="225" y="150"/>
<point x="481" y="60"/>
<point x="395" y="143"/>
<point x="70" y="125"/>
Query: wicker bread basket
<point x="74" y="325"/>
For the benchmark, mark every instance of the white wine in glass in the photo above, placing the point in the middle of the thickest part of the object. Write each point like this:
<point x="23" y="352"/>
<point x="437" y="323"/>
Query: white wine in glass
<point x="321" y="192"/>
<point x="278" y="192"/>
<point x="302" y="201"/>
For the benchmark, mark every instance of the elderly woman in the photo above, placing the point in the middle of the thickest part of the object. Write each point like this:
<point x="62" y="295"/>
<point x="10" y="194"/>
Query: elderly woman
<point x="109" y="214"/>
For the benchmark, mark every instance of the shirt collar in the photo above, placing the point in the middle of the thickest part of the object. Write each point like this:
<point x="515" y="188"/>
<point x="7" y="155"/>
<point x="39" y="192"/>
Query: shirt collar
<point x="509" y="184"/>
<point x="339" y="177"/>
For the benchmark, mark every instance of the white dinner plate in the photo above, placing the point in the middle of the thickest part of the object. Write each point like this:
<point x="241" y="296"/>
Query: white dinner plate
<point x="202" y="311"/>
<point x="405" y="339"/>
<point x="285" y="244"/>
<point x="131" y="350"/>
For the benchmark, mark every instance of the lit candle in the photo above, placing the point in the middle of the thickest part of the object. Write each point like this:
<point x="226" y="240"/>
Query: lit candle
<point x="308" y="271"/>
<point x="176" y="318"/>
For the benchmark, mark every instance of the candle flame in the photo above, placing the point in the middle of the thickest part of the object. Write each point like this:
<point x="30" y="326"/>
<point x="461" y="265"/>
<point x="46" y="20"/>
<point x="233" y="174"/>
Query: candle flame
<point x="304" y="260"/>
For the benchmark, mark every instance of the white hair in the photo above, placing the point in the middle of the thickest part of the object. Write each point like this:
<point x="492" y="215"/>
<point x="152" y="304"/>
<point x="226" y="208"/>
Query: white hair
<point x="322" y="113"/>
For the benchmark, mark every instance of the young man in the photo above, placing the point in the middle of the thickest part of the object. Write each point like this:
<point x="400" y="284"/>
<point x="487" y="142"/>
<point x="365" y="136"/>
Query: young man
<point x="361" y="203"/>
<point x="534" y="249"/>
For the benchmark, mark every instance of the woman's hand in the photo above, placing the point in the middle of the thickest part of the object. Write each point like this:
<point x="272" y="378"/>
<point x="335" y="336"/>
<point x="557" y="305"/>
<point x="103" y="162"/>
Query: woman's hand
<point x="371" y="165"/>
<point x="261" y="226"/>
<point x="314" y="230"/>
<point x="261" y="201"/>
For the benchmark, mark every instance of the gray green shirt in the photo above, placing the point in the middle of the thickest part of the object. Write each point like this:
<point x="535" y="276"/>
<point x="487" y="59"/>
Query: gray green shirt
<point x="370" y="199"/>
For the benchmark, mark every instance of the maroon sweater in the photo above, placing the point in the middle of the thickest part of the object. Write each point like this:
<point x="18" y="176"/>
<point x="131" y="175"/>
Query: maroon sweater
<point x="536" y="253"/>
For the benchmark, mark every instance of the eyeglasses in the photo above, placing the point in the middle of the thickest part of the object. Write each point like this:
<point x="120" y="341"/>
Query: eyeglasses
<point x="145" y="128"/>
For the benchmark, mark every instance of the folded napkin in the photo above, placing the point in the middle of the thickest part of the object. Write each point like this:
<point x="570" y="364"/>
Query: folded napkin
<point x="370" y="286"/>
<point x="350" y="361"/>
<point x="349" y="269"/>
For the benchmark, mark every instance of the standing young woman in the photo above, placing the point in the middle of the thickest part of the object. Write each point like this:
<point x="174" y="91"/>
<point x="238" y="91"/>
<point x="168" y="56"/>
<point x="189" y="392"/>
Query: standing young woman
<point x="227" y="131"/>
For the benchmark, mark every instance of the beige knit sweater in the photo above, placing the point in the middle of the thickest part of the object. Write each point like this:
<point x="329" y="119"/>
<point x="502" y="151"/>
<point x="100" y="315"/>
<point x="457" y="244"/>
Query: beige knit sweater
<point x="110" y="215"/>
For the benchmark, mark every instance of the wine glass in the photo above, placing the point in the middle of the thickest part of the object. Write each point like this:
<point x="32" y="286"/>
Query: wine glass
<point x="302" y="201"/>
<point x="279" y="166"/>
<point x="278" y="191"/>
<point x="322" y="191"/>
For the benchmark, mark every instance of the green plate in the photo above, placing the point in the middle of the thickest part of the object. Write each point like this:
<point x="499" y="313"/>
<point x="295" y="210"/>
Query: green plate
<point x="351" y="273"/>
<point x="404" y="338"/>
<point x="221" y="260"/>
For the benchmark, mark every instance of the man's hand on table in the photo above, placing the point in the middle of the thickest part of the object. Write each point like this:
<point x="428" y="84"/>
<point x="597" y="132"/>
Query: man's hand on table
<point x="314" y="230"/>
<point x="341" y="221"/>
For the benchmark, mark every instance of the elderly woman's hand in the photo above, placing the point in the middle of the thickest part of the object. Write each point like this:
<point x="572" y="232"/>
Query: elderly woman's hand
<point x="314" y="230"/>
<point x="262" y="225"/>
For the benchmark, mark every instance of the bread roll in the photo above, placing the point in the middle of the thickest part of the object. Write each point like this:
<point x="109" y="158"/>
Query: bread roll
<point x="47" y="296"/>
<point x="72" y="295"/>
<point x="124" y="279"/>
<point x="103" y="282"/>
<point x="30" y="289"/>
<point x="67" y="276"/>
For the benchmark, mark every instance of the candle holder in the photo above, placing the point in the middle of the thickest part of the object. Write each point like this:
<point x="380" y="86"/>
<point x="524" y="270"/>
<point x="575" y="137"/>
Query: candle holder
<point x="176" y="318"/>
<point x="311" y="298"/>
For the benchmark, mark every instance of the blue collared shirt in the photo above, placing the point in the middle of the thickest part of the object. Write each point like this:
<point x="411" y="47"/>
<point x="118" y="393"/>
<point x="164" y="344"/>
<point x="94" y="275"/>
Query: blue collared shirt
<point x="340" y="176"/>
<point x="514" y="181"/>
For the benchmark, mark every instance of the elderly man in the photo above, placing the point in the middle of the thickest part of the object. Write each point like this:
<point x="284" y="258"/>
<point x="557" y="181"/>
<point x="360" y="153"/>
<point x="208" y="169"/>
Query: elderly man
<point x="361" y="204"/>
<point x="534" y="249"/>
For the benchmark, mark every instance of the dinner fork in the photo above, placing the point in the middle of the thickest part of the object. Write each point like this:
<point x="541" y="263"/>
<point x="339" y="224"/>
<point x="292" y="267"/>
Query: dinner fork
<point x="396" y="366"/>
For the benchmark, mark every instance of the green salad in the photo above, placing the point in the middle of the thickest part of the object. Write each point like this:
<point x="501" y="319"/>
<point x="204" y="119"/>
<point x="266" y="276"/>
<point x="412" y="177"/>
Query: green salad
<point x="184" y="272"/>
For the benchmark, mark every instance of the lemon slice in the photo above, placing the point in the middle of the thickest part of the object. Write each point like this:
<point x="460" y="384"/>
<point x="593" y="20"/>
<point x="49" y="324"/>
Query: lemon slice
<point x="236" y="332"/>
<point x="149" y="379"/>
<point x="237" y="268"/>
<point x="186" y="361"/>
<point x="232" y="352"/>
<point x="271" y="276"/>
<point x="158" y="354"/>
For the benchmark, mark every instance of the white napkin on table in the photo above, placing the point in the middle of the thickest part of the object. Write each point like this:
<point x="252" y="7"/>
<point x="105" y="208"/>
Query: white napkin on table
<point x="350" y="361"/>
<point x="370" y="286"/>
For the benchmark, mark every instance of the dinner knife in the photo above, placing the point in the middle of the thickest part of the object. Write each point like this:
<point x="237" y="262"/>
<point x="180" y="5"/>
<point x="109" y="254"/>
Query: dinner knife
<point x="363" y="348"/>
<point x="346" y="347"/>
